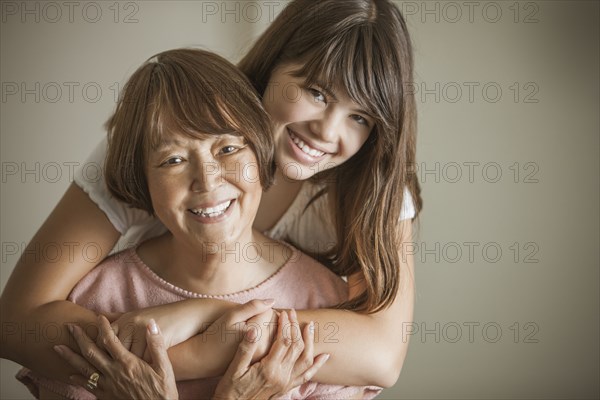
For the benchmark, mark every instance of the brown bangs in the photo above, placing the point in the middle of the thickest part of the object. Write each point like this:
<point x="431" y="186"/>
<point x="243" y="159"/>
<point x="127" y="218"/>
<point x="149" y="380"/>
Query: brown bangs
<point x="188" y="103"/>
<point x="357" y="61"/>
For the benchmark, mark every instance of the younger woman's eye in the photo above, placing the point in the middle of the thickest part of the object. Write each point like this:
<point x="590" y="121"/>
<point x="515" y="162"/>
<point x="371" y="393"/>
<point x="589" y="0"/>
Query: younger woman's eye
<point x="318" y="96"/>
<point x="360" y="119"/>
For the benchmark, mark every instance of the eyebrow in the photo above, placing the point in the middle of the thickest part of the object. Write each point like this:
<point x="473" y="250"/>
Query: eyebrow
<point x="329" y="93"/>
<point x="326" y="89"/>
<point x="166" y="143"/>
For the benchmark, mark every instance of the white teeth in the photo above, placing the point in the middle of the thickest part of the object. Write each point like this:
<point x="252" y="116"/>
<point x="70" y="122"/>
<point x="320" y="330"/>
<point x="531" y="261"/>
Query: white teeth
<point x="305" y="148"/>
<point x="212" y="212"/>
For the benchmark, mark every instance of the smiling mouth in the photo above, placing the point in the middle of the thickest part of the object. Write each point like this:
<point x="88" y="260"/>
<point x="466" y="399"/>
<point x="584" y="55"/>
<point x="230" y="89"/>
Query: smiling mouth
<point x="305" y="148"/>
<point x="212" y="212"/>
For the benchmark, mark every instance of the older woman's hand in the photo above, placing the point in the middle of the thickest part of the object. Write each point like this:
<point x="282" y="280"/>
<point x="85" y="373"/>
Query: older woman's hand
<point x="112" y="371"/>
<point x="288" y="364"/>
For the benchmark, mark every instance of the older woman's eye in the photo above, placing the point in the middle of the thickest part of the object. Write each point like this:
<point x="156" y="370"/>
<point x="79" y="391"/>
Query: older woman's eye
<point x="173" y="161"/>
<point x="317" y="96"/>
<point x="229" y="149"/>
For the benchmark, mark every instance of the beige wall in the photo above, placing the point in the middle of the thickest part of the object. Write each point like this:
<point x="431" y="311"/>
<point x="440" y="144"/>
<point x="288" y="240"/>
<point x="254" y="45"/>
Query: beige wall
<point x="515" y="173"/>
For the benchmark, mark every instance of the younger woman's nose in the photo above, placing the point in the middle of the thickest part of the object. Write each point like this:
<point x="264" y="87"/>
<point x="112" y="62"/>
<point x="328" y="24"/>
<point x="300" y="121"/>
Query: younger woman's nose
<point x="328" y="126"/>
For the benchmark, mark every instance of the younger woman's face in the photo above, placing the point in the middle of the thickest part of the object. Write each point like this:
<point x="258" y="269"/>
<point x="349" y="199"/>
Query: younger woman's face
<point x="314" y="129"/>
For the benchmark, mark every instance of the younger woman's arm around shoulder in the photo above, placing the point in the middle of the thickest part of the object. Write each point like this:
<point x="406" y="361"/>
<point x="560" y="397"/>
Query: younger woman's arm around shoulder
<point x="369" y="348"/>
<point x="33" y="305"/>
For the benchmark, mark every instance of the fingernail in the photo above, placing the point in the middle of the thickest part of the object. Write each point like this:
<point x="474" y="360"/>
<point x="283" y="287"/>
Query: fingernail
<point x="251" y="334"/>
<point x="269" y="302"/>
<point x="327" y="357"/>
<point x="153" y="327"/>
<point x="58" y="349"/>
<point x="70" y="328"/>
<point x="311" y="326"/>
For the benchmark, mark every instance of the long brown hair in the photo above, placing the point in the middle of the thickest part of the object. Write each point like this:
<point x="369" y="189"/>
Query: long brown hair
<point x="189" y="91"/>
<point x="362" y="47"/>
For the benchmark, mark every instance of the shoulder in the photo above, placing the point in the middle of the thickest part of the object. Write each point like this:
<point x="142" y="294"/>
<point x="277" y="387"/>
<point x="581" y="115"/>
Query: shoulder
<point x="303" y="264"/>
<point x="111" y="274"/>
<point x="314" y="280"/>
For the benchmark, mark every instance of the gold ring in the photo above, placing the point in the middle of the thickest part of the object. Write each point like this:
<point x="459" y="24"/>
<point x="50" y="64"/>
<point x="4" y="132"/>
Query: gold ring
<point x="92" y="382"/>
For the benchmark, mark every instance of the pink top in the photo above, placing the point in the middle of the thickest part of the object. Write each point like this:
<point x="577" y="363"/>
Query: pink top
<point x="124" y="283"/>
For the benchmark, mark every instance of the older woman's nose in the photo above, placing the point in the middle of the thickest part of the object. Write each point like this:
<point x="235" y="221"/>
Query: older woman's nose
<point x="206" y="177"/>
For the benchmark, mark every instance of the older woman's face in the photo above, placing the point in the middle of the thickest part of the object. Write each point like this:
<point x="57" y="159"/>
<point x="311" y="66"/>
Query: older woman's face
<point x="314" y="130"/>
<point x="205" y="190"/>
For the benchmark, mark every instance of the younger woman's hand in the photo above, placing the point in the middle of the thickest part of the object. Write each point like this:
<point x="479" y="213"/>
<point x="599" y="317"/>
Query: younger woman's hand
<point x="116" y="372"/>
<point x="288" y="364"/>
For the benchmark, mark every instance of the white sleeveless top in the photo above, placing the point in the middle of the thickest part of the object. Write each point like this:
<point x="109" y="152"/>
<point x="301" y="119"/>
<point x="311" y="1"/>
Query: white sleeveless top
<point x="310" y="228"/>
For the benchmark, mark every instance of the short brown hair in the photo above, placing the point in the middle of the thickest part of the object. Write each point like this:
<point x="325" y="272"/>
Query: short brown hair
<point x="189" y="91"/>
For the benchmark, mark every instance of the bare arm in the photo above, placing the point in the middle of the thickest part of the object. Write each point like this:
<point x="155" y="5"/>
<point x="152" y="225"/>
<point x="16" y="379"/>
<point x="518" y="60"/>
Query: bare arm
<point x="32" y="312"/>
<point x="376" y="343"/>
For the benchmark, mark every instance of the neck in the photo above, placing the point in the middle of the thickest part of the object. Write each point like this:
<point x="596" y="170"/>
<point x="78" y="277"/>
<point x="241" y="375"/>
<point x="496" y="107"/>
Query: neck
<point x="283" y="183"/>
<point x="276" y="201"/>
<point x="213" y="269"/>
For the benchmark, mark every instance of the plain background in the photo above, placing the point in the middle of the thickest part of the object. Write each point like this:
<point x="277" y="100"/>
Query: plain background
<point x="507" y="256"/>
